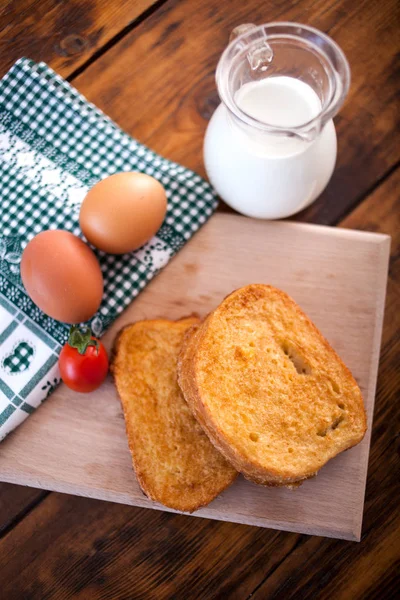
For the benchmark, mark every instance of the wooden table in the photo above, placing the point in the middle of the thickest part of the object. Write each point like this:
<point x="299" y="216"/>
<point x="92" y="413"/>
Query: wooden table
<point x="150" y="66"/>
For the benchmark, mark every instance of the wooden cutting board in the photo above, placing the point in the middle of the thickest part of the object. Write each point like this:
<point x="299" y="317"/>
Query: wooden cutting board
<point x="76" y="443"/>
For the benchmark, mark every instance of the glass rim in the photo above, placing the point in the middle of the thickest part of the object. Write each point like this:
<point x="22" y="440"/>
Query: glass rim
<point x="336" y="97"/>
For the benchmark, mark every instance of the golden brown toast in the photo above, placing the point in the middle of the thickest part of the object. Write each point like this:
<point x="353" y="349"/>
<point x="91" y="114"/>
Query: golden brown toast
<point x="268" y="389"/>
<point x="174" y="461"/>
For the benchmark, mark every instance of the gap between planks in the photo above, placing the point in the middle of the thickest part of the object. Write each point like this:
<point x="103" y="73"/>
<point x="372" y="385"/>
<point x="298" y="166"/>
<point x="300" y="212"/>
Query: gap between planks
<point x="148" y="12"/>
<point x="24" y="512"/>
<point x="360" y="199"/>
<point x="299" y="542"/>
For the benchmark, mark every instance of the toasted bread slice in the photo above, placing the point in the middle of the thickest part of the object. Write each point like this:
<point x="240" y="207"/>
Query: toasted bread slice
<point x="174" y="461"/>
<point x="268" y="389"/>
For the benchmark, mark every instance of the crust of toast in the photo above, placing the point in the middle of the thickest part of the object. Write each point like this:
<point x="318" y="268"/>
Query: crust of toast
<point x="174" y="461"/>
<point x="270" y="392"/>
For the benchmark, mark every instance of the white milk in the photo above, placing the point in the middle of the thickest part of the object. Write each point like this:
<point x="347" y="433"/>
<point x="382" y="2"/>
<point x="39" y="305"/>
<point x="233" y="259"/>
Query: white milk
<point x="268" y="175"/>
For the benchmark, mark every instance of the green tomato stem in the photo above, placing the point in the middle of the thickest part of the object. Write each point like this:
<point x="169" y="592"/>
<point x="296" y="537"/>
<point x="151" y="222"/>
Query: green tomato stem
<point x="81" y="339"/>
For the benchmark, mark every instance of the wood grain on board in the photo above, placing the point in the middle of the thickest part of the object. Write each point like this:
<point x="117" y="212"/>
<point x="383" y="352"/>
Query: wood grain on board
<point x="337" y="276"/>
<point x="166" y="555"/>
<point x="166" y="95"/>
<point x="63" y="34"/>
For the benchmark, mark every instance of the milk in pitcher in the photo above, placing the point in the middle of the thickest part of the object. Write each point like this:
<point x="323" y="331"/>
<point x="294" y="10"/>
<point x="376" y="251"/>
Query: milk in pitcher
<point x="270" y="147"/>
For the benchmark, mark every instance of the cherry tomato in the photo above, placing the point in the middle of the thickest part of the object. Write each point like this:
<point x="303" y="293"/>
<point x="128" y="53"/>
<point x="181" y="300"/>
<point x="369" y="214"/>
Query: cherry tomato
<point x="83" y="361"/>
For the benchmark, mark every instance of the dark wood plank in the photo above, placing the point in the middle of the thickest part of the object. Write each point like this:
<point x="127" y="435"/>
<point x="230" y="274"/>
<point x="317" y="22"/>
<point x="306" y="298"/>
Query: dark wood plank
<point x="344" y="570"/>
<point x="63" y="34"/>
<point x="15" y="501"/>
<point x="381" y="213"/>
<point x="166" y="95"/>
<point x="105" y="550"/>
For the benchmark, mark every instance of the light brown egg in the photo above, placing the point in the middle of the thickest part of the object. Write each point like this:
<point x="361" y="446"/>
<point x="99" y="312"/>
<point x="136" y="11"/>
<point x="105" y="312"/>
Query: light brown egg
<point x="122" y="212"/>
<point x="62" y="276"/>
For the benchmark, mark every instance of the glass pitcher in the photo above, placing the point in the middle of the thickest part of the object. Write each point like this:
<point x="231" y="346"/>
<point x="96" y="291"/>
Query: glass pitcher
<point x="270" y="147"/>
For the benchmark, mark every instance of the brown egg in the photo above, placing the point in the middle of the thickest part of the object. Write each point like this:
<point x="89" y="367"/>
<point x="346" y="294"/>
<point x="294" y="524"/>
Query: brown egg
<point x="122" y="212"/>
<point x="62" y="276"/>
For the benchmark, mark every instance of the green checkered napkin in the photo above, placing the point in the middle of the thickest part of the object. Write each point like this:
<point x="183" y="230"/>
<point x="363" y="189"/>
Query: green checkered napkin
<point x="54" y="146"/>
